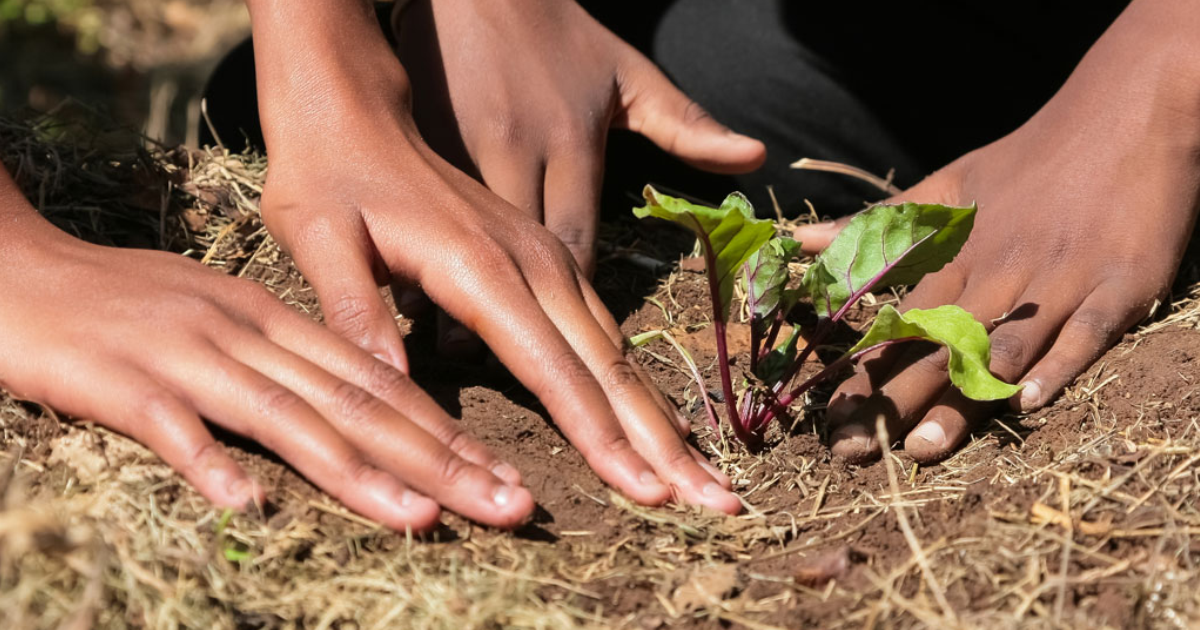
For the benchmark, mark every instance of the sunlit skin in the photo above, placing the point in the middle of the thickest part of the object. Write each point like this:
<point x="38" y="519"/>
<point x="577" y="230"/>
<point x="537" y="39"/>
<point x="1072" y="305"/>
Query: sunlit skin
<point x="1084" y="213"/>
<point x="164" y="342"/>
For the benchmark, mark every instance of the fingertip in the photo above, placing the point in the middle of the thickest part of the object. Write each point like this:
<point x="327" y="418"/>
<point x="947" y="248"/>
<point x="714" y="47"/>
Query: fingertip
<point x="814" y="238"/>
<point x="724" y="152"/>
<point x="854" y="443"/>
<point x="742" y="153"/>
<point x="714" y="472"/>
<point x="1030" y="398"/>
<point x="648" y="489"/>
<point x="396" y="506"/>
<point x="414" y="511"/>
<point x="395" y="356"/>
<point x="507" y="473"/>
<point x="720" y="499"/>
<point x="244" y="494"/>
<point x="514" y="506"/>
<point x="929" y="443"/>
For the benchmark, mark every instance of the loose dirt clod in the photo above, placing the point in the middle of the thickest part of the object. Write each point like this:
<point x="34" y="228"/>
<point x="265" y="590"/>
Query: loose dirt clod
<point x="1086" y="514"/>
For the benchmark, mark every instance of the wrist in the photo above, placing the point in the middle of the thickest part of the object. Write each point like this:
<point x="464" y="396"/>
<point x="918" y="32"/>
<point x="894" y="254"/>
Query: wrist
<point x="323" y="67"/>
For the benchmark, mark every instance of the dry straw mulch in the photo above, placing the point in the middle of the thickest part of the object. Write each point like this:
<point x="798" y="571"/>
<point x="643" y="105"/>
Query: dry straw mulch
<point x="1084" y="514"/>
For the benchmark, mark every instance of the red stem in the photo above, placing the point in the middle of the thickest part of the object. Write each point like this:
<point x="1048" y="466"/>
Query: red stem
<point x="780" y="405"/>
<point x="714" y="288"/>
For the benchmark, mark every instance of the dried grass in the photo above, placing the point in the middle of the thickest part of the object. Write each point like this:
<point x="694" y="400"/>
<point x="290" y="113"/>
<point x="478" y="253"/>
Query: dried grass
<point x="96" y="532"/>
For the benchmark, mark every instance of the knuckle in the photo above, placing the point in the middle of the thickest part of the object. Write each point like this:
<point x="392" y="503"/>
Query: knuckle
<point x="573" y="236"/>
<point x="1009" y="349"/>
<point x="506" y="130"/>
<point x="157" y="407"/>
<point x="679" y="458"/>
<point x="351" y="315"/>
<point x="354" y="403"/>
<point x="360" y="472"/>
<point x="621" y="377"/>
<point x="276" y="400"/>
<point x="384" y="381"/>
<point x="934" y="362"/>
<point x="572" y="137"/>
<point x="451" y="468"/>
<point x="572" y="370"/>
<point x="455" y="438"/>
<point x="1096" y="323"/>
<point x="617" y="444"/>
<point x="483" y="253"/>
<point x="694" y="113"/>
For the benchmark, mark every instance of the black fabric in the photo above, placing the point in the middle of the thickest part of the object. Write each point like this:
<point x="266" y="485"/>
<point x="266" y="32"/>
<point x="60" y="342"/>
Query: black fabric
<point x="908" y="86"/>
<point x="881" y="85"/>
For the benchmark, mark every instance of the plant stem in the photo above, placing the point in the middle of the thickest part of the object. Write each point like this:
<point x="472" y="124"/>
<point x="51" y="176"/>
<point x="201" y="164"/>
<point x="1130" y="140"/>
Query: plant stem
<point x="755" y="343"/>
<point x="773" y="335"/>
<point x="824" y="327"/>
<point x="719" y="328"/>
<point x="780" y="405"/>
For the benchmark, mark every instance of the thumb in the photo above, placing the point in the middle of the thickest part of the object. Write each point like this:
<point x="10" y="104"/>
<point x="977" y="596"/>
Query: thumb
<point x="815" y="237"/>
<point x="652" y="106"/>
<point x="941" y="187"/>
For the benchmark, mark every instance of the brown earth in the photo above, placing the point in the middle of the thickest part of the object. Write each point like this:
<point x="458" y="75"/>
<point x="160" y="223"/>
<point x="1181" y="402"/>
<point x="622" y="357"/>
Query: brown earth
<point x="1081" y="514"/>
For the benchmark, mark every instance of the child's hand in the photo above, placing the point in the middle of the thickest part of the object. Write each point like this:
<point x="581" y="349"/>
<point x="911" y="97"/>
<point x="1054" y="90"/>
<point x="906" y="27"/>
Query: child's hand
<point x="147" y="343"/>
<point x="1084" y="214"/>
<point x="358" y="199"/>
<point x="524" y="93"/>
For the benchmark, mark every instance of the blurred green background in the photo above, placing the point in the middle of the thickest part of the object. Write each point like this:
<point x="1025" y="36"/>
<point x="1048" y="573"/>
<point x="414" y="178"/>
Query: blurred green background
<point x="141" y="63"/>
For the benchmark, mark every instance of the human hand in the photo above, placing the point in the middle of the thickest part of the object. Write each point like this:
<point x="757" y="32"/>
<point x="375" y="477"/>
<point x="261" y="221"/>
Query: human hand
<point x="1084" y="214"/>
<point x="376" y="204"/>
<point x="146" y="343"/>
<point x="523" y="94"/>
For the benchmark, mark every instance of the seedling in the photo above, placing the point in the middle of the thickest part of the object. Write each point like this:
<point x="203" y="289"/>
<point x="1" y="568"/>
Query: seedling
<point x="884" y="246"/>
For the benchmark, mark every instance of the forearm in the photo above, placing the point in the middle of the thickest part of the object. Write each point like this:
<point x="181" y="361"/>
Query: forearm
<point x="320" y="64"/>
<point x="1142" y="77"/>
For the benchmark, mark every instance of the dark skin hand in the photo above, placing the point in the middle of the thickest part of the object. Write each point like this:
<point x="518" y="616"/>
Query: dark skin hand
<point x="522" y="94"/>
<point x="375" y="204"/>
<point x="1084" y="215"/>
<point x="146" y="343"/>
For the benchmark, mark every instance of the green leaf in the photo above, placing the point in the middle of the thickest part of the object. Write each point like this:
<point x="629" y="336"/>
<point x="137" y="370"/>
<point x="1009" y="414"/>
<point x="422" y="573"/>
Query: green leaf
<point x="886" y="245"/>
<point x="964" y="337"/>
<point x="767" y="277"/>
<point x="730" y="234"/>
<point x="773" y="366"/>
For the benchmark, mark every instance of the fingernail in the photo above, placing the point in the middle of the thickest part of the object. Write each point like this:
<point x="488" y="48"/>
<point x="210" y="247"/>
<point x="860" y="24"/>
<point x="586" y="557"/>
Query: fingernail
<point x="242" y="490"/>
<point x="1031" y="395"/>
<point x="648" y="478"/>
<point x="855" y="434"/>
<point x="712" y="489"/>
<point x="503" y="496"/>
<point x="407" y="498"/>
<point x="507" y="473"/>
<point x="933" y="433"/>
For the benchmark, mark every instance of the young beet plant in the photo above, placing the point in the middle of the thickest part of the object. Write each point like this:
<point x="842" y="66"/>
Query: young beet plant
<point x="884" y="246"/>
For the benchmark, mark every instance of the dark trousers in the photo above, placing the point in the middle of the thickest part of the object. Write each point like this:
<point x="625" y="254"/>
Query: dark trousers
<point x="907" y="86"/>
